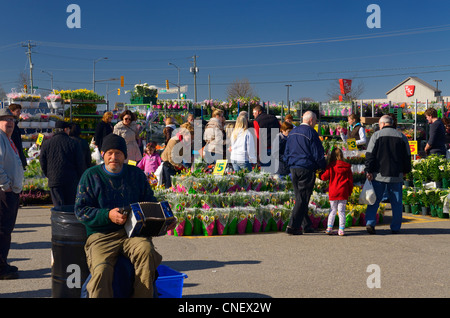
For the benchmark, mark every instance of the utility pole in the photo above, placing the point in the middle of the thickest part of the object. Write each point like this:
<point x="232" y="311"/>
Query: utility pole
<point x="288" y="102"/>
<point x="29" y="46"/>
<point x="194" y="70"/>
<point x="437" y="94"/>
<point x="209" y="86"/>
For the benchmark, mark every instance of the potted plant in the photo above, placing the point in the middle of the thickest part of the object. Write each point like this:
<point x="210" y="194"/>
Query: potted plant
<point x="406" y="198"/>
<point x="414" y="202"/>
<point x="446" y="175"/>
<point x="53" y="100"/>
<point x="408" y="179"/>
<point x="143" y="94"/>
<point x="424" y="200"/>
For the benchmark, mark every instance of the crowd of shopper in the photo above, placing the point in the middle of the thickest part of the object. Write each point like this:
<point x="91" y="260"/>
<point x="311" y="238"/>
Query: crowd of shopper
<point x="288" y="148"/>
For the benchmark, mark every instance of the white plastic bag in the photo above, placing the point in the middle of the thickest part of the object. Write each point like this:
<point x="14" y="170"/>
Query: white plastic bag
<point x="34" y="151"/>
<point x="367" y="195"/>
<point x="159" y="173"/>
<point x="96" y="156"/>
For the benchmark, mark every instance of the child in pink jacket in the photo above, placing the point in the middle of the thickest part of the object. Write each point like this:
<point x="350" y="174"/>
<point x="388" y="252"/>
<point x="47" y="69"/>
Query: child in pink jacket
<point x="151" y="160"/>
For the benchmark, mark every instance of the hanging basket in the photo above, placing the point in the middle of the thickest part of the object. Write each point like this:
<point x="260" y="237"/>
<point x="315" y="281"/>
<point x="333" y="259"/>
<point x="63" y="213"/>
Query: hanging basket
<point x="56" y="104"/>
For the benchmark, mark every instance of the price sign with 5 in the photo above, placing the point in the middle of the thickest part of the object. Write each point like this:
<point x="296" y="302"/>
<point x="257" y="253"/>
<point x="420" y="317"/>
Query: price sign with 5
<point x="220" y="167"/>
<point x="40" y="139"/>
<point x="413" y="147"/>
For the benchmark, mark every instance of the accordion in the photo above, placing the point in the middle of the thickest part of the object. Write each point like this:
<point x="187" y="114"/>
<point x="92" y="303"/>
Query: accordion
<point x="148" y="218"/>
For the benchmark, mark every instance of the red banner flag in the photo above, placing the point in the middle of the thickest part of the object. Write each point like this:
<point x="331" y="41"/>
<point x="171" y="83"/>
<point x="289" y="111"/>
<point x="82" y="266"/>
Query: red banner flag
<point x="346" y="85"/>
<point x="409" y="89"/>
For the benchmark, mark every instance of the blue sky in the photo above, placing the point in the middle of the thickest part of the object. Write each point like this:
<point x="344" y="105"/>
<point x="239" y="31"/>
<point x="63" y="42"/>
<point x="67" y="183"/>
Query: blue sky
<point x="307" y="44"/>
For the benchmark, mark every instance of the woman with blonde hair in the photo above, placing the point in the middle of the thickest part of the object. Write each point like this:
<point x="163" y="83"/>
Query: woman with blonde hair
<point x="215" y="137"/>
<point x="104" y="128"/>
<point x="243" y="147"/>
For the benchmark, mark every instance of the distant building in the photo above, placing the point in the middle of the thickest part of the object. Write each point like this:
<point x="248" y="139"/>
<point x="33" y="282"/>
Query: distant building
<point x="411" y="89"/>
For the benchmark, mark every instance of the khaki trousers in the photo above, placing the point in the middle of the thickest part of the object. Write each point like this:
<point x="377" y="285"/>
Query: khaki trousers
<point x="102" y="251"/>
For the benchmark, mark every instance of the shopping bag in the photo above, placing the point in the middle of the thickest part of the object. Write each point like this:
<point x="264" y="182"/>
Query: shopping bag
<point x="367" y="195"/>
<point x="159" y="173"/>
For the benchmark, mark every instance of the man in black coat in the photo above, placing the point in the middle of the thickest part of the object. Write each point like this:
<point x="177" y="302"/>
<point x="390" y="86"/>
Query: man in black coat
<point x="263" y="124"/>
<point x="62" y="163"/>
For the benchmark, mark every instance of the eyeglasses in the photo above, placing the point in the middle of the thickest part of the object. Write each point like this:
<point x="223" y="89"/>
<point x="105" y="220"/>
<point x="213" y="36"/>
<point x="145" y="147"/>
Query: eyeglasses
<point x="7" y="119"/>
<point x="127" y="118"/>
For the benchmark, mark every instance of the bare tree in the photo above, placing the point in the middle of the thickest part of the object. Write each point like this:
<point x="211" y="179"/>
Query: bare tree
<point x="240" y="88"/>
<point x="2" y="93"/>
<point x="22" y="81"/>
<point x="334" y="91"/>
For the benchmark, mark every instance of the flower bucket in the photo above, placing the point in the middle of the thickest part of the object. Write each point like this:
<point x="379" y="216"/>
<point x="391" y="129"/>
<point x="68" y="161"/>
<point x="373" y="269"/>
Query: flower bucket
<point x="181" y="223"/>
<point x="381" y="217"/>
<point x="241" y="224"/>
<point x="362" y="219"/>
<point x="440" y="213"/>
<point x="249" y="225"/>
<point x="407" y="208"/>
<point x="424" y="210"/>
<point x="198" y="227"/>
<point x="415" y="208"/>
<point x="208" y="224"/>
<point x="348" y="220"/>
<point x="408" y="183"/>
<point x="257" y="222"/>
<point x="433" y="210"/>
<point x="445" y="183"/>
<point x="315" y="221"/>
<point x="221" y="224"/>
<point x="189" y="225"/>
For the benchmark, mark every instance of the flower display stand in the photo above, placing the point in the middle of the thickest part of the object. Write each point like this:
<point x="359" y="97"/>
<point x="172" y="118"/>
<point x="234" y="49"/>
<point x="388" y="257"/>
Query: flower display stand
<point x="244" y="203"/>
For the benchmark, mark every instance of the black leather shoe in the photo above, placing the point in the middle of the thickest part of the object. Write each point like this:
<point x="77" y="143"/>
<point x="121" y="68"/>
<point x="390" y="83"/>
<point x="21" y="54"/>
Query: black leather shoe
<point x="12" y="268"/>
<point x="9" y="275"/>
<point x="370" y="229"/>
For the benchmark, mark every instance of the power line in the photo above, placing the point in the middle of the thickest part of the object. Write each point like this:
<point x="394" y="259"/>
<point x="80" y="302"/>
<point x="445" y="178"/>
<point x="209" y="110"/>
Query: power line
<point x="422" y="30"/>
<point x="328" y="79"/>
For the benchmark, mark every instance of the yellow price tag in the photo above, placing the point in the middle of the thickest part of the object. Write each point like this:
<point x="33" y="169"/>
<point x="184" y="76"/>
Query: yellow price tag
<point x="40" y="139"/>
<point x="351" y="143"/>
<point x="220" y="167"/>
<point x="132" y="162"/>
<point x="413" y="147"/>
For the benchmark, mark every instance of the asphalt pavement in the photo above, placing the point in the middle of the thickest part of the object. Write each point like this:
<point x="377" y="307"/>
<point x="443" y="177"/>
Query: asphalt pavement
<point x="412" y="264"/>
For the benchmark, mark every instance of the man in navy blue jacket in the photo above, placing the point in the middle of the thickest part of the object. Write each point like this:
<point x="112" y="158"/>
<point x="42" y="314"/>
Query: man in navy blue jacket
<point x="304" y="155"/>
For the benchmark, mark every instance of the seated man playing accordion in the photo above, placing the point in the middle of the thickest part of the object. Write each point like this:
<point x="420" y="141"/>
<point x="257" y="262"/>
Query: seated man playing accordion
<point x="102" y="192"/>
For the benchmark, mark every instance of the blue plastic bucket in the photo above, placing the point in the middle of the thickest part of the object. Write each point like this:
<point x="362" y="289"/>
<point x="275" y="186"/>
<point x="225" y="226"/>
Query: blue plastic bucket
<point x="169" y="283"/>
